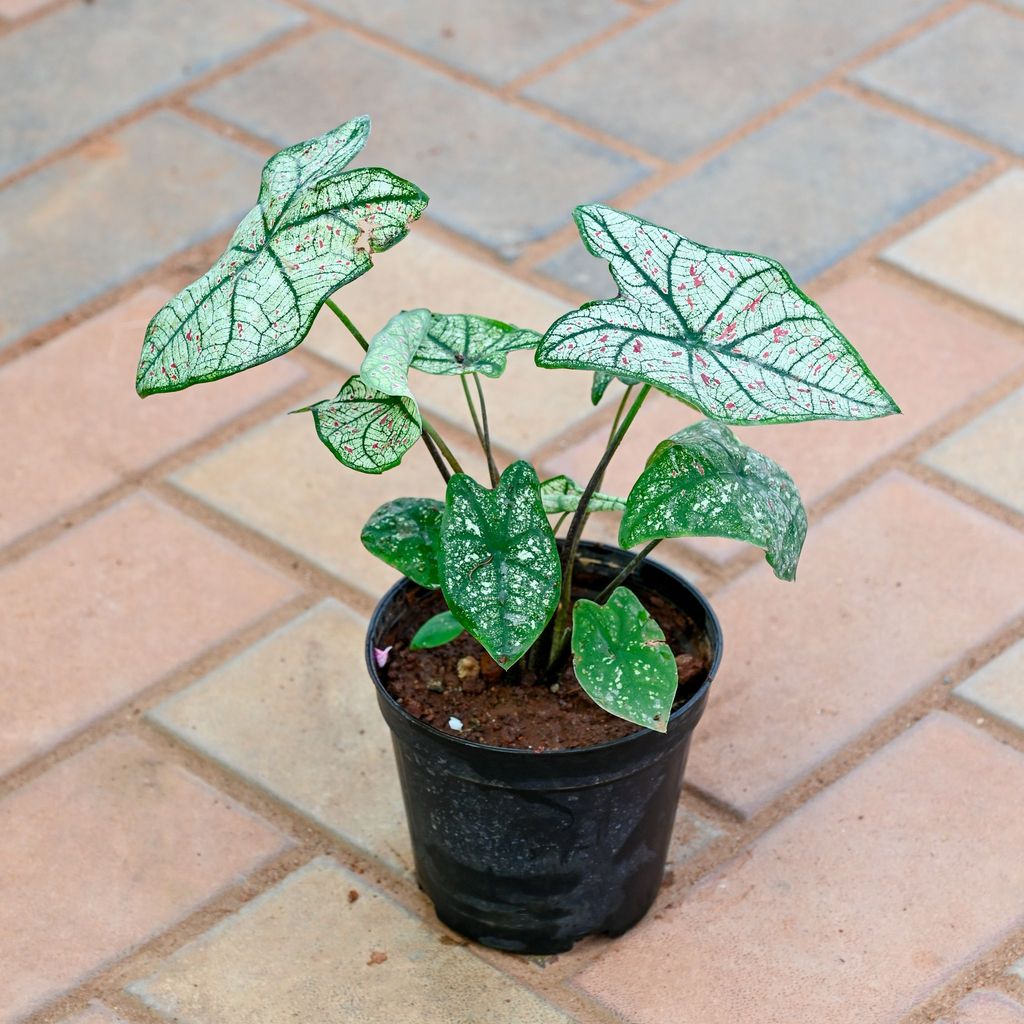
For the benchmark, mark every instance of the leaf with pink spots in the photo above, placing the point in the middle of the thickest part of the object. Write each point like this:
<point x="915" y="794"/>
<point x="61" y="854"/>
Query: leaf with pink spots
<point x="366" y="429"/>
<point x="729" y="333"/>
<point x="314" y="229"/>
<point x="704" y="482"/>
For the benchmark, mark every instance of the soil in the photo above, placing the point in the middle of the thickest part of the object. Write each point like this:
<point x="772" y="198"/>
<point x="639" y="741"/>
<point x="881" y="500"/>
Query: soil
<point x="460" y="681"/>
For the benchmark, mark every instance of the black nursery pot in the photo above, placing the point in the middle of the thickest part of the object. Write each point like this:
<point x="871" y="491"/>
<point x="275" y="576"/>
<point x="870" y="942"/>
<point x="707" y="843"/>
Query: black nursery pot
<point x="530" y="852"/>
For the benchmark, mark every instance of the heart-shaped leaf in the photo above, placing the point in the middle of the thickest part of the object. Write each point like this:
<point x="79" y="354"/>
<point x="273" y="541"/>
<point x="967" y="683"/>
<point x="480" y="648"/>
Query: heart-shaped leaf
<point x="500" y="571"/>
<point x="367" y="430"/>
<point x="406" y="533"/>
<point x="623" y="661"/>
<point x="386" y="363"/>
<point x="726" y="332"/>
<point x="441" y="629"/>
<point x="459" y="343"/>
<point x="704" y="482"/>
<point x="560" y="494"/>
<point x="312" y="231"/>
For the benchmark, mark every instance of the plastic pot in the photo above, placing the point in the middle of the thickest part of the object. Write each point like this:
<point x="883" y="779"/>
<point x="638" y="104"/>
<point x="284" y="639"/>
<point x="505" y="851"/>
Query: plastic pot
<point x="527" y="851"/>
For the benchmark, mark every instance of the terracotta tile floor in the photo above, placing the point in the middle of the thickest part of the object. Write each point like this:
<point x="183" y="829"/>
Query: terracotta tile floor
<point x="192" y="780"/>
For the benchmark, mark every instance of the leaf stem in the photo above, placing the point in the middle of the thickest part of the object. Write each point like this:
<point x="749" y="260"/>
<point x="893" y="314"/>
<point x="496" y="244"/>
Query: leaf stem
<point x="435" y="454"/>
<point x="619" y="411"/>
<point x="491" y="464"/>
<point x="429" y="431"/>
<point x="627" y="569"/>
<point x="481" y="431"/>
<point x="352" y="329"/>
<point x="560" y="633"/>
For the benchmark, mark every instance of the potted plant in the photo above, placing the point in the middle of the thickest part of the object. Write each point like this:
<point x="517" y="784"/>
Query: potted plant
<point x="541" y="689"/>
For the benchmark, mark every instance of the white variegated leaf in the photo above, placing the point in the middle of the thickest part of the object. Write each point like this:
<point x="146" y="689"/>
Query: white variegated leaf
<point x="459" y="343"/>
<point x="365" y="429"/>
<point x="391" y="350"/>
<point x="313" y="230"/>
<point x="560" y="494"/>
<point x="726" y="332"/>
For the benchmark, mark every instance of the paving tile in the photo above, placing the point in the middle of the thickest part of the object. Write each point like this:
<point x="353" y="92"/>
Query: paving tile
<point x="528" y="406"/>
<point x="851" y="910"/>
<point x="121" y="205"/>
<point x="985" y="454"/>
<point x="872" y="618"/>
<point x="12" y="9"/>
<point x="104" y="430"/>
<point x="297" y="715"/>
<point x="998" y="688"/>
<point x="943" y="74"/>
<point x="986" y="1008"/>
<point x="692" y="73"/>
<point x="476" y="156"/>
<point x="806" y="189"/>
<point x="68" y="74"/>
<point x="104" y="851"/>
<point x="918" y="349"/>
<point x="513" y="38"/>
<point x="96" y="1013"/>
<point x="109" y="608"/>
<point x="973" y="249"/>
<point x="690" y="836"/>
<point x="305" y="946"/>
<point x="280" y="480"/>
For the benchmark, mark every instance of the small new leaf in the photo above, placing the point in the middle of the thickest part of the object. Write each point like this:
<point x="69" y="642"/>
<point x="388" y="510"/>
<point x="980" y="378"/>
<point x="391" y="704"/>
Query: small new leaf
<point x="704" y="482"/>
<point x="726" y="332"/>
<point x="442" y="629"/>
<point x="406" y="533"/>
<point x="313" y="230"/>
<point x="458" y="343"/>
<point x="365" y="429"/>
<point x="391" y="350"/>
<point x="623" y="661"/>
<point x="560" y="494"/>
<point x="500" y="571"/>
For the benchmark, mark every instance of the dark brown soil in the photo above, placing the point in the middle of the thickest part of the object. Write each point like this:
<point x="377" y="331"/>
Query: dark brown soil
<point x="460" y="681"/>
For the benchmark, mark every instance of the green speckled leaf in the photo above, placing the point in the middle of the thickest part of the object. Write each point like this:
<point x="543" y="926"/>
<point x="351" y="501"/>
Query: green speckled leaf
<point x="727" y="332"/>
<point x="500" y="571"/>
<point x="367" y="430"/>
<point x="313" y="230"/>
<point x="386" y="363"/>
<point x="560" y="494"/>
<point x="441" y="629"/>
<point x="704" y="482"/>
<point x="623" y="661"/>
<point x="406" y="533"/>
<point x="459" y="343"/>
<point x="599" y="385"/>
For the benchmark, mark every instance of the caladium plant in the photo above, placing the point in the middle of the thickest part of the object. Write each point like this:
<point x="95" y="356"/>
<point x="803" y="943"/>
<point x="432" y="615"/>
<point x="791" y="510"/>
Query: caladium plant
<point x="726" y="333"/>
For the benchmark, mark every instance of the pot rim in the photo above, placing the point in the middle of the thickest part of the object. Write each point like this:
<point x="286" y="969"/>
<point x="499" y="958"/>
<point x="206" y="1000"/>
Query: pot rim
<point x="712" y="628"/>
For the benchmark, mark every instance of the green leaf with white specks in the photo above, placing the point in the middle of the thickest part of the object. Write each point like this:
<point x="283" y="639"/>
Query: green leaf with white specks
<point x="704" y="482"/>
<point x="560" y="494"/>
<point x="406" y="533"/>
<point x="313" y="230"/>
<point x="365" y="429"/>
<point x="500" y="571"/>
<point x="391" y="350"/>
<point x="623" y="661"/>
<point x="458" y="343"/>
<point x="726" y="332"/>
<point x="437" y="631"/>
